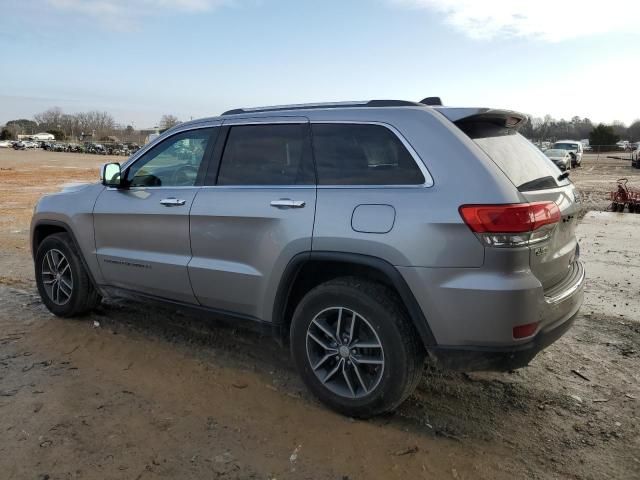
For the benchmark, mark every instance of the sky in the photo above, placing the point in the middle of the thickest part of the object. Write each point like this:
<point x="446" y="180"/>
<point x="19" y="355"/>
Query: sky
<point x="140" y="59"/>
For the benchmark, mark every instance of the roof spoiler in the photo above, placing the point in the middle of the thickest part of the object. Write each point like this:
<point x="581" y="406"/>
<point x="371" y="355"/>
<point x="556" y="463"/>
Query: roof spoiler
<point x="501" y="118"/>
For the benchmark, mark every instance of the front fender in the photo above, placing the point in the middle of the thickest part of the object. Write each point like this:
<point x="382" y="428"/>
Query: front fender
<point x="71" y="211"/>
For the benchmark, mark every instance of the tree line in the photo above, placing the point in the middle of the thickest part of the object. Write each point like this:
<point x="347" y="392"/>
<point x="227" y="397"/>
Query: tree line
<point x="548" y="129"/>
<point x="99" y="125"/>
<point x="94" y="125"/>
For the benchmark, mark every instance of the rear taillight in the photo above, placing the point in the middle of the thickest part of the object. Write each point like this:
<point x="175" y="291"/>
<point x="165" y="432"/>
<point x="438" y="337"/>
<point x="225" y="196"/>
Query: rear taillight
<point x="512" y="225"/>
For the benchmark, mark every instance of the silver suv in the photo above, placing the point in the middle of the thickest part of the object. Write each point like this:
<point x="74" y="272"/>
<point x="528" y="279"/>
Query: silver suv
<point x="368" y="235"/>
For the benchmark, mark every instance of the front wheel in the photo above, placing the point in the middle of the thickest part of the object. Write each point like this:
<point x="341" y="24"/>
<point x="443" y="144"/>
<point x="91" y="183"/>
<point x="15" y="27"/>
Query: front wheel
<point x="355" y="348"/>
<point x="63" y="283"/>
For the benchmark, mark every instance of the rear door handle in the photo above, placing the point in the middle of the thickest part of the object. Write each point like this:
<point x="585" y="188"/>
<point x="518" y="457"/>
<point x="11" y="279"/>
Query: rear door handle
<point x="172" y="202"/>
<point x="288" y="203"/>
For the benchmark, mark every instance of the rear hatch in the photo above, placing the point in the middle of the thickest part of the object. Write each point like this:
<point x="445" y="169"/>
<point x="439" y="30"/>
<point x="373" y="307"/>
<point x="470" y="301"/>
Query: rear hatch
<point x="537" y="179"/>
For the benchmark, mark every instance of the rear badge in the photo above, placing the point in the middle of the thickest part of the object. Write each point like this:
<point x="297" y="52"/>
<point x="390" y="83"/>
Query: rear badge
<point x="541" y="251"/>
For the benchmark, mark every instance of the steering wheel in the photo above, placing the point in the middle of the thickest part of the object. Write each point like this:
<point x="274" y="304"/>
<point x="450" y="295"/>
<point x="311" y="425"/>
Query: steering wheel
<point x="184" y="176"/>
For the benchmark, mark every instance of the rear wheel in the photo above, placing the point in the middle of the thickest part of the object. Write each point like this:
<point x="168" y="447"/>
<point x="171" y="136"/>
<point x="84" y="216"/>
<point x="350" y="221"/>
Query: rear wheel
<point x="63" y="283"/>
<point x="355" y="348"/>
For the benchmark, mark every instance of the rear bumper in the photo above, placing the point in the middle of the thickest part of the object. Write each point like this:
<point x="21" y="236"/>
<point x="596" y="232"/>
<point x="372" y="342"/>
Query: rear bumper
<point x="472" y="314"/>
<point x="498" y="358"/>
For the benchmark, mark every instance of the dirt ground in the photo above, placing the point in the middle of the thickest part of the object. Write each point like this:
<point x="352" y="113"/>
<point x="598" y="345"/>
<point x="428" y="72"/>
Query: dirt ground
<point x="140" y="391"/>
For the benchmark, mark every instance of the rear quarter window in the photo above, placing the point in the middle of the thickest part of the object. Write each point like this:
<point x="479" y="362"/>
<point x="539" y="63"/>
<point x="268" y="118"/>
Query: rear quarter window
<point x="362" y="154"/>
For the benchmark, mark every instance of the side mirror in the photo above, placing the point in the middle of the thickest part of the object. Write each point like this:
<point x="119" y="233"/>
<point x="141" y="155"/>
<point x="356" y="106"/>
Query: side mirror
<point x="110" y="175"/>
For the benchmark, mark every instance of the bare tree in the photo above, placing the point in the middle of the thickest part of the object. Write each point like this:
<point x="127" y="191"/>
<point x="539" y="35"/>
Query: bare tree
<point x="49" y="119"/>
<point x="87" y="123"/>
<point x="95" y="123"/>
<point x="168" y="121"/>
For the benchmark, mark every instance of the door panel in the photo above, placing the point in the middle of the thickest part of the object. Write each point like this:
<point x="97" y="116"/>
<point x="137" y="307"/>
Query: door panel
<point x="142" y="229"/>
<point x="142" y="244"/>
<point x="254" y="215"/>
<point x="241" y="244"/>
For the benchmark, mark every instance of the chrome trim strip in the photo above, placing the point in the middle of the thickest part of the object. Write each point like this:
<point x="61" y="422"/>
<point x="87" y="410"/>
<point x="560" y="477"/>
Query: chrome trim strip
<point x="569" y="291"/>
<point x="293" y="120"/>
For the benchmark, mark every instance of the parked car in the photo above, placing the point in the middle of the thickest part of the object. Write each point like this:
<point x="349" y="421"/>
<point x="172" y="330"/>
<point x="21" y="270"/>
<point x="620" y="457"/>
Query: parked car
<point x="19" y="145"/>
<point x="562" y="158"/>
<point x="623" y="145"/>
<point x="5" y="144"/>
<point x="572" y="146"/>
<point x="635" y="156"/>
<point x="75" y="148"/>
<point x="400" y="231"/>
<point x="96" y="148"/>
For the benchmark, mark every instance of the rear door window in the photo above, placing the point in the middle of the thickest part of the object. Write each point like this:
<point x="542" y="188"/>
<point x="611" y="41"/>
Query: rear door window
<point x="522" y="162"/>
<point x="354" y="154"/>
<point x="272" y="154"/>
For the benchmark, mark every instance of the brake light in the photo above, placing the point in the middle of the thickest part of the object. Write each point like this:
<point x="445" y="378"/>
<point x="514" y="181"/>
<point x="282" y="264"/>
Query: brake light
<point x="512" y="225"/>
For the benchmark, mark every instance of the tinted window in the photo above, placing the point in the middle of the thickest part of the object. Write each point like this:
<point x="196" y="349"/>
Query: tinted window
<point x="362" y="155"/>
<point x="173" y="163"/>
<point x="266" y="155"/>
<point x="526" y="166"/>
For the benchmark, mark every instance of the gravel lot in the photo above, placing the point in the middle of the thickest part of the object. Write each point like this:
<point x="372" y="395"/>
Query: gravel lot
<point x="140" y="391"/>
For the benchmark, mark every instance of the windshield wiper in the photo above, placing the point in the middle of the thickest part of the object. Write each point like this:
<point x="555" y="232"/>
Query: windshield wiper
<point x="538" y="184"/>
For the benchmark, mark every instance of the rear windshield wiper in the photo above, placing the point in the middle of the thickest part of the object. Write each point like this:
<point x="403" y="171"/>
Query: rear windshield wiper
<point x="538" y="184"/>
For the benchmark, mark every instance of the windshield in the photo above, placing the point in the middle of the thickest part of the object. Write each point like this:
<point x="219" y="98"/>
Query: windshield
<point x="565" y="146"/>
<point x="555" y="152"/>
<point x="526" y="166"/>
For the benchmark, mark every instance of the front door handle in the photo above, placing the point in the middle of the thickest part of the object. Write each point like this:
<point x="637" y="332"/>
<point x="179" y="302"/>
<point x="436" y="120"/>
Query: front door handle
<point x="288" y="203"/>
<point x="172" y="202"/>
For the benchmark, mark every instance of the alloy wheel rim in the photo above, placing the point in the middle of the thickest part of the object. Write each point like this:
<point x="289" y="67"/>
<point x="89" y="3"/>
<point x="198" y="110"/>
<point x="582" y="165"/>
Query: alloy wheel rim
<point x="345" y="352"/>
<point x="57" y="278"/>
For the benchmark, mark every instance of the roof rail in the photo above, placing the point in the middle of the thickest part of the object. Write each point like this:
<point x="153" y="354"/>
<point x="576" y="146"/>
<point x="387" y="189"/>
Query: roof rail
<point x="308" y="106"/>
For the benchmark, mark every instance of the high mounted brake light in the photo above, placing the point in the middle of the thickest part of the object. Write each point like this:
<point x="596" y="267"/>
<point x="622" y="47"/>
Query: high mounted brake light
<point x="512" y="225"/>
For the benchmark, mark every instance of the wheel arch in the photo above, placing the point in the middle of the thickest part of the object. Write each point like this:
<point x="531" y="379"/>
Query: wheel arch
<point x="309" y="269"/>
<point x="45" y="228"/>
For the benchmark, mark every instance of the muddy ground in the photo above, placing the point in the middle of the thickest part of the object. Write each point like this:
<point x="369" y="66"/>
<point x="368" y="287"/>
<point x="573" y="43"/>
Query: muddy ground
<point x="139" y="391"/>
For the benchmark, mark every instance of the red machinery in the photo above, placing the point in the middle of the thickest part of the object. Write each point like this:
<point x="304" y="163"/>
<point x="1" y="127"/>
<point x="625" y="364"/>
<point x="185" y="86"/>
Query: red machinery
<point x="623" y="197"/>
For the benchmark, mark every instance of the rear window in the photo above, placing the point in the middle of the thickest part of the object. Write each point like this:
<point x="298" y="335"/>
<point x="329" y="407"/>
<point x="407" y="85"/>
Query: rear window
<point x="524" y="164"/>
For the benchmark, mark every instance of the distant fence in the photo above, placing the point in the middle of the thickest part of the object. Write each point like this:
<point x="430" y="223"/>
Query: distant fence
<point x="607" y="149"/>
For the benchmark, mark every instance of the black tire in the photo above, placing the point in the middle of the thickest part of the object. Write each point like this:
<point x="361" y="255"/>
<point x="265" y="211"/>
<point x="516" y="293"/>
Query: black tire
<point x="83" y="297"/>
<point x="403" y="353"/>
